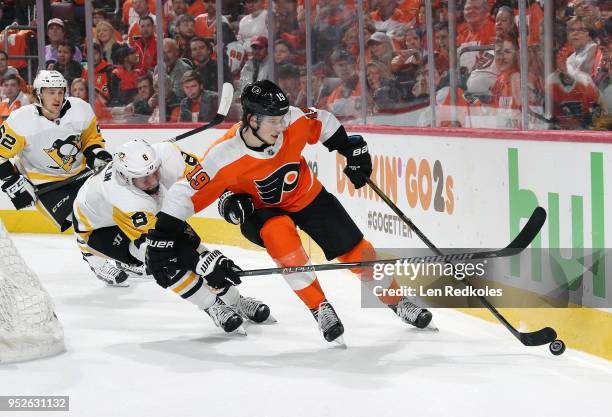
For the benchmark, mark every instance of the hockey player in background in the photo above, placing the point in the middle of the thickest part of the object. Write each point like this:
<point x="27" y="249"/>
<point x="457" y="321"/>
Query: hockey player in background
<point x="115" y="209"/>
<point x="265" y="185"/>
<point x="51" y="140"/>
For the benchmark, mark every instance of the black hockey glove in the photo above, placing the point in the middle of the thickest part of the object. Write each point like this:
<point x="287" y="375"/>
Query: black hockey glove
<point x="97" y="158"/>
<point x="161" y="256"/>
<point x="20" y="191"/>
<point x="358" y="161"/>
<point x="235" y="208"/>
<point x="218" y="270"/>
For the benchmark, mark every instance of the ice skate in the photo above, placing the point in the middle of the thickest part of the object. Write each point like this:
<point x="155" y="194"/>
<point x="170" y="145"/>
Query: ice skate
<point x="226" y="317"/>
<point x="254" y="310"/>
<point x="412" y="314"/>
<point x="111" y="275"/>
<point x="329" y="323"/>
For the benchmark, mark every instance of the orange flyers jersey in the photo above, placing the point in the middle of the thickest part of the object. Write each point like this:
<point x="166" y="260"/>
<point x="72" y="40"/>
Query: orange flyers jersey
<point x="275" y="177"/>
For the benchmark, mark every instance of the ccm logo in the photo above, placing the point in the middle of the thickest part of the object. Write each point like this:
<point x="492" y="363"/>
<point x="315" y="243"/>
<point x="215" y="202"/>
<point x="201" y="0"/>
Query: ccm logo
<point x="360" y="151"/>
<point x="160" y="244"/>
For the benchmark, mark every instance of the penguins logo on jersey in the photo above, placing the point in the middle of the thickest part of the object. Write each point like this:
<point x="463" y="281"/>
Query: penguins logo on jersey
<point x="64" y="152"/>
<point x="283" y="180"/>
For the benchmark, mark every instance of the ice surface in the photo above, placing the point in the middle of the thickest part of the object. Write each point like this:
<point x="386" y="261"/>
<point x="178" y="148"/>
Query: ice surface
<point x="142" y="351"/>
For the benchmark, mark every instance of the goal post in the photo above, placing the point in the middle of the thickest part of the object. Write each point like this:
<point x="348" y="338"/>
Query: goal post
<point x="29" y="328"/>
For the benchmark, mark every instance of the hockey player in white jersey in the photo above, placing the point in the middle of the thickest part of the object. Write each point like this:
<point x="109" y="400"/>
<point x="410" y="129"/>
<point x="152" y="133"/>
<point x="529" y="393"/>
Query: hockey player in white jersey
<point x="116" y="208"/>
<point x="51" y="140"/>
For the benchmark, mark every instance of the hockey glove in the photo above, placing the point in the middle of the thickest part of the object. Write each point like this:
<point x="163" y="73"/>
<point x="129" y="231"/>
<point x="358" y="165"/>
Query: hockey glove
<point x="235" y="208"/>
<point x="20" y="191"/>
<point x="358" y="161"/>
<point x="97" y="158"/>
<point x="161" y="254"/>
<point x="218" y="271"/>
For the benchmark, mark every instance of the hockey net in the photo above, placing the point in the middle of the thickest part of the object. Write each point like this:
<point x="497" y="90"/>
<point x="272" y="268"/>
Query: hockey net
<point x="29" y="328"/>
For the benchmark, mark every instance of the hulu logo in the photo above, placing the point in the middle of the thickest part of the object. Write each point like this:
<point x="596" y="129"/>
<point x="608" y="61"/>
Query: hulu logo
<point x="522" y="203"/>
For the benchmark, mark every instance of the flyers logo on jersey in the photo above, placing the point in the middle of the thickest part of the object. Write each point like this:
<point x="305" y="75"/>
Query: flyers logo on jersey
<point x="283" y="180"/>
<point x="64" y="152"/>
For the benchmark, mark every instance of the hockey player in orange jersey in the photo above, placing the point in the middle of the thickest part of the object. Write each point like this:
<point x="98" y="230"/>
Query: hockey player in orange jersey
<point x="264" y="184"/>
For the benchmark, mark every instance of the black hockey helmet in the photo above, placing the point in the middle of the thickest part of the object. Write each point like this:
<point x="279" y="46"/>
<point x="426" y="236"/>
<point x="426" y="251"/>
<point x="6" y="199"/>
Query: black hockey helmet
<point x="264" y="98"/>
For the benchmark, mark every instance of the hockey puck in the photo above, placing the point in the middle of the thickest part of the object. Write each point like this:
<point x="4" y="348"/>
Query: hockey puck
<point x="557" y="347"/>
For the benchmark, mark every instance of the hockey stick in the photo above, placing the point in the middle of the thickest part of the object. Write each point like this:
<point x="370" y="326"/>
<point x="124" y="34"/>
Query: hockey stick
<point x="225" y="102"/>
<point x="520" y="242"/>
<point x="531" y="229"/>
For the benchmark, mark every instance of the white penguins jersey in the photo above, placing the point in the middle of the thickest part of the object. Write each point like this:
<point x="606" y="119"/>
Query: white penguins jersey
<point x="105" y="201"/>
<point x="45" y="150"/>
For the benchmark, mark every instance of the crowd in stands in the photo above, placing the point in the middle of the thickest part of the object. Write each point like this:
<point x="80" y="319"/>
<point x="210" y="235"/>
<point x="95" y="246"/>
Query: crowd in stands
<point x="489" y="91"/>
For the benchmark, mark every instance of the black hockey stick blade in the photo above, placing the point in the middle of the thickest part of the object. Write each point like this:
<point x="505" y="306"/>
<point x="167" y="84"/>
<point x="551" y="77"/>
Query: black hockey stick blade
<point x="225" y="102"/>
<point x="56" y="185"/>
<point x="538" y="338"/>
<point x="531" y="229"/>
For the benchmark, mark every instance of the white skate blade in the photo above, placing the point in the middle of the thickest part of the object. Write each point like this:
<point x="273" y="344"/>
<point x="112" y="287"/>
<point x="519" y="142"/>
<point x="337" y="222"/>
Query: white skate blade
<point x="124" y="284"/>
<point x="340" y="341"/>
<point x="240" y="331"/>
<point x="432" y="327"/>
<point x="270" y="320"/>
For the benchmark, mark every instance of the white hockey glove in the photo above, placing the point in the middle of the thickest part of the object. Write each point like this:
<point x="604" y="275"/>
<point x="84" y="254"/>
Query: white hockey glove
<point x="218" y="270"/>
<point x="235" y="208"/>
<point x="20" y="191"/>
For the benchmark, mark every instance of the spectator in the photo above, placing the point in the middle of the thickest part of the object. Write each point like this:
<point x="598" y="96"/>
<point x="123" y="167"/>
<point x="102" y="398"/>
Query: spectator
<point x="140" y="108"/>
<point x="206" y="23"/>
<point x="172" y="102"/>
<point x="506" y="91"/>
<point x="478" y="67"/>
<point x="379" y="49"/>
<point x="504" y="22"/>
<point x="258" y="67"/>
<point x="185" y="25"/>
<point x="350" y="40"/>
<point x="588" y="10"/>
<point x="56" y="34"/>
<point x="253" y="24"/>
<point x="104" y="37"/>
<point x="133" y="10"/>
<point x="285" y="18"/>
<point x="283" y="52"/>
<point x="205" y="66"/>
<point x="442" y="45"/>
<point x="320" y="90"/>
<point x="124" y="77"/>
<point x="175" y="67"/>
<point x="79" y="88"/>
<point x="199" y="105"/>
<point x="605" y="83"/>
<point x="444" y="117"/>
<point x="345" y="100"/>
<point x="99" y="15"/>
<point x="142" y="10"/>
<point x="288" y="76"/>
<point x="383" y="88"/>
<point x="387" y="15"/>
<point x="65" y="64"/>
<point x="102" y="71"/>
<point x="146" y="45"/>
<point x="179" y="8"/>
<point x="5" y="68"/>
<point x="405" y="63"/>
<point x="588" y="55"/>
<point x="12" y="96"/>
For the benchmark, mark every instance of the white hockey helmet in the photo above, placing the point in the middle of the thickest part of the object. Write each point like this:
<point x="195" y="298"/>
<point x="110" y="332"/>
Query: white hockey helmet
<point x="47" y="78"/>
<point x="135" y="159"/>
